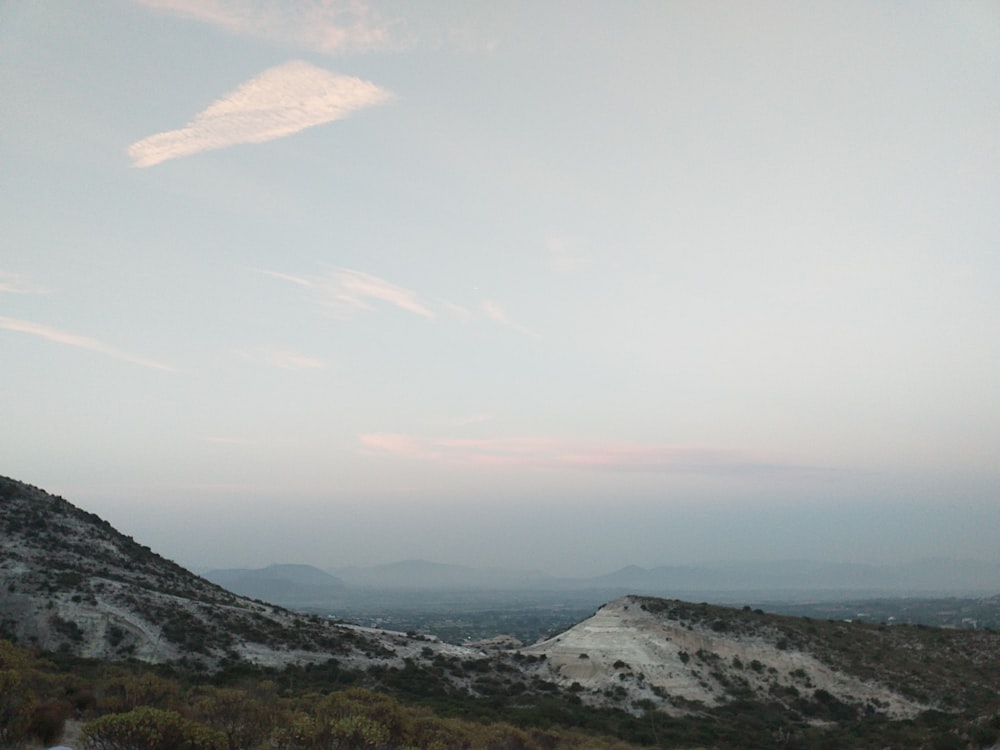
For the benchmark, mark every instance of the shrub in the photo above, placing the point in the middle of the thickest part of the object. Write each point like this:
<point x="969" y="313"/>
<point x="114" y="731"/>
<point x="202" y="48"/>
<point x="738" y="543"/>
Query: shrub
<point x="16" y="698"/>
<point x="241" y="717"/>
<point x="125" y="690"/>
<point x="149" y="729"/>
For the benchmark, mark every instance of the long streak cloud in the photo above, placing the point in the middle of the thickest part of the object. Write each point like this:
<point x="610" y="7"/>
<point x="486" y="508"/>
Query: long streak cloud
<point x="279" y="102"/>
<point x="81" y="342"/>
<point x="344" y="292"/>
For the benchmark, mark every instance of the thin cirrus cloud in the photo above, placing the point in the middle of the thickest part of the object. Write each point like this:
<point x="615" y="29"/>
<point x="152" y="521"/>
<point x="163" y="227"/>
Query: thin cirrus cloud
<point x="497" y="314"/>
<point x="551" y="453"/>
<point x="324" y="26"/>
<point x="285" y="359"/>
<point x="15" y="283"/>
<point x="279" y="102"/>
<point x="345" y="292"/>
<point x="78" y="341"/>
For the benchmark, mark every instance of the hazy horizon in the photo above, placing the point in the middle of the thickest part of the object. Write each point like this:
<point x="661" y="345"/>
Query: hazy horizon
<point x="579" y="537"/>
<point x="512" y="285"/>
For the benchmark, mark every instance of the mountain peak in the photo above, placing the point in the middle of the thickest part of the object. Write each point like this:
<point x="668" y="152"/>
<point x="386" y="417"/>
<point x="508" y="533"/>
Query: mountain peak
<point x="69" y="581"/>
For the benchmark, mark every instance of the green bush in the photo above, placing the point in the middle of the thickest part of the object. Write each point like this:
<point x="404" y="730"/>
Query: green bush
<point x="149" y="729"/>
<point x="16" y="697"/>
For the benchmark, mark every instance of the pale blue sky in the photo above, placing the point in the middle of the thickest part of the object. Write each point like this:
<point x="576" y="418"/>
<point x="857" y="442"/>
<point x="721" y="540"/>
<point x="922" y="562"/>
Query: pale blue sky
<point x="544" y="285"/>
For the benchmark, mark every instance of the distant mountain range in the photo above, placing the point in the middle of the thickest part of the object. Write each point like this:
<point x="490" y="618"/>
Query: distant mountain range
<point x="299" y="585"/>
<point x="794" y="577"/>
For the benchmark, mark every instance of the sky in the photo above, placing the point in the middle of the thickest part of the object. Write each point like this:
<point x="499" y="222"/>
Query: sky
<point x="557" y="286"/>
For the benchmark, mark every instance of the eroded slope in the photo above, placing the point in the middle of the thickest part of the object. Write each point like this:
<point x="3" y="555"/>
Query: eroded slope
<point x="681" y="657"/>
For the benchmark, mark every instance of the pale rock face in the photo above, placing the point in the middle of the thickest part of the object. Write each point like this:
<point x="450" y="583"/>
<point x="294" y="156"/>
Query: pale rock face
<point x="626" y="650"/>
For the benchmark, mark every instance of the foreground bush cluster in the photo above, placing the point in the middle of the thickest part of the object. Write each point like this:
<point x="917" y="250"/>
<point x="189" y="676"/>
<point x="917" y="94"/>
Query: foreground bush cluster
<point x="136" y="707"/>
<point x="215" y="718"/>
<point x="127" y="708"/>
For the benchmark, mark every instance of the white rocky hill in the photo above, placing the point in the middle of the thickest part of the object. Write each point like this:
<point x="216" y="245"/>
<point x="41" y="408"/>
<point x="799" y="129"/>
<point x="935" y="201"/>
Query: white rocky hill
<point x="677" y="656"/>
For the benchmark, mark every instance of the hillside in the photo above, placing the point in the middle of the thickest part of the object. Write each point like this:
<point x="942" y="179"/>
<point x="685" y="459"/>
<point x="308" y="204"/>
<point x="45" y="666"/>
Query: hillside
<point x="678" y="655"/>
<point x="71" y="583"/>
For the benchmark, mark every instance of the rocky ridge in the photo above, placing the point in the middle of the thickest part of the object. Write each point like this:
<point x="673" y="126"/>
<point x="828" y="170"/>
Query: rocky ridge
<point x="69" y="581"/>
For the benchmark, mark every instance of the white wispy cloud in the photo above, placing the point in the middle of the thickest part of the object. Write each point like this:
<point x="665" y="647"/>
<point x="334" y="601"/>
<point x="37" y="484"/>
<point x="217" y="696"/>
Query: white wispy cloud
<point x="325" y="26"/>
<point x="300" y="280"/>
<point x="285" y="359"/>
<point x="279" y="102"/>
<point x="81" y="342"/>
<point x="497" y="314"/>
<point x="15" y="283"/>
<point x="345" y="292"/>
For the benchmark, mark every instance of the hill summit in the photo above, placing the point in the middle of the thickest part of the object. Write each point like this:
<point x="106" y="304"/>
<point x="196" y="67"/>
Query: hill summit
<point x="71" y="582"/>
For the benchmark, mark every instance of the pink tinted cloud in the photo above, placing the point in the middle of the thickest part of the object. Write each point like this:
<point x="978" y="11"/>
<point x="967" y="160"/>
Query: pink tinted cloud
<point x="354" y="288"/>
<point x="279" y="102"/>
<point x="345" y="292"/>
<point x="285" y="359"/>
<point x="81" y="342"/>
<point x="553" y="453"/>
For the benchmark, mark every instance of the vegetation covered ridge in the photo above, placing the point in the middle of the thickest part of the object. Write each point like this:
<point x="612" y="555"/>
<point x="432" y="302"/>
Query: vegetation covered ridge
<point x="94" y="705"/>
<point x="69" y="581"/>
